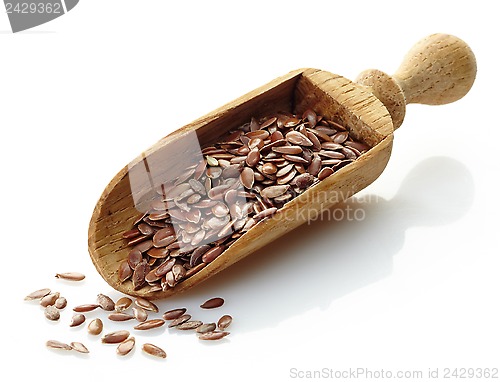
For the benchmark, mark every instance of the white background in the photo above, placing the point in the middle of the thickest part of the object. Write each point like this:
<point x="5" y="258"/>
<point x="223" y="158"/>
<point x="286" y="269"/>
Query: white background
<point x="415" y="285"/>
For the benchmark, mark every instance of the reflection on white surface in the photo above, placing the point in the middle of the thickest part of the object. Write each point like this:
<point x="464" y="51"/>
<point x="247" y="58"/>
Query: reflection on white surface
<point x="324" y="261"/>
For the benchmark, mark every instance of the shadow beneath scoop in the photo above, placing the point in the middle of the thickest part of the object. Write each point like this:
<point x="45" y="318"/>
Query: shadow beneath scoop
<point x="322" y="261"/>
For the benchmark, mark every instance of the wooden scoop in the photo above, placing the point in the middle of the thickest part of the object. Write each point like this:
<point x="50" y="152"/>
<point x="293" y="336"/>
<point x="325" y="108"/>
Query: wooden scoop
<point x="439" y="69"/>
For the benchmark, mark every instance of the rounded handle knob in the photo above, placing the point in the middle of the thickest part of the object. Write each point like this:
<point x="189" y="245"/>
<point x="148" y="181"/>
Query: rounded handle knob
<point x="439" y="69"/>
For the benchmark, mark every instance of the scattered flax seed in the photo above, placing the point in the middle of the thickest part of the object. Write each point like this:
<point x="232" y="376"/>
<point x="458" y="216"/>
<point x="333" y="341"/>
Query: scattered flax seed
<point x="212" y="303"/>
<point x="151" y="324"/>
<point x="140" y="314"/>
<point x="61" y="303"/>
<point x="53" y="302"/>
<point x="50" y="299"/>
<point x="154" y="350"/>
<point x="95" y="327"/>
<point x="79" y="347"/>
<point x="123" y="304"/>
<point x="224" y="322"/>
<point x="180" y="320"/>
<point x="38" y="294"/>
<point x="145" y="304"/>
<point x="52" y="313"/>
<point x="120" y="316"/>
<point x="105" y="302"/>
<point x="205" y="328"/>
<point x="71" y="276"/>
<point x="212" y="336"/>
<point x="77" y="320"/>
<point x="53" y="344"/>
<point x="126" y="346"/>
<point x="189" y="325"/>
<point x="115" y="337"/>
<point x="174" y="313"/>
<point x="85" y="308"/>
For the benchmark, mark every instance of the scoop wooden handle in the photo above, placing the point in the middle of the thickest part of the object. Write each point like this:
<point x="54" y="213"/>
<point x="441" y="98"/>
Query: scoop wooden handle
<point x="439" y="69"/>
